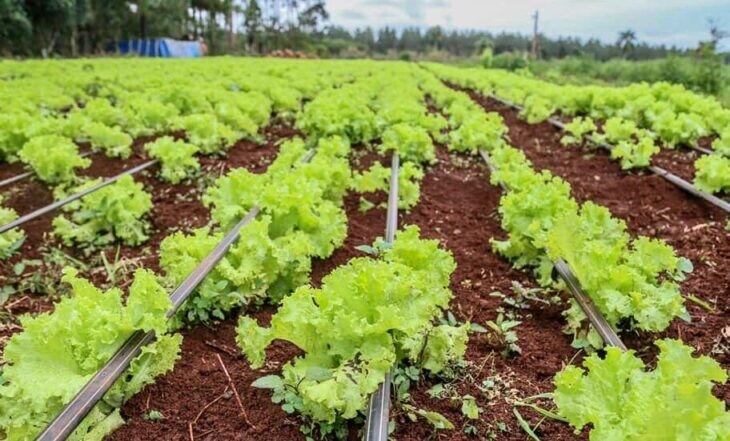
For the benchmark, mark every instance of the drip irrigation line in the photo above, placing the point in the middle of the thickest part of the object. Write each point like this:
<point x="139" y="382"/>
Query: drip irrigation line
<point x="669" y="176"/>
<point x="378" y="413"/>
<point x="27" y="174"/>
<point x="700" y="149"/>
<point x="392" y="215"/>
<point x="689" y="188"/>
<point x="599" y="323"/>
<point x="76" y="410"/>
<point x="15" y="178"/>
<point x="58" y="204"/>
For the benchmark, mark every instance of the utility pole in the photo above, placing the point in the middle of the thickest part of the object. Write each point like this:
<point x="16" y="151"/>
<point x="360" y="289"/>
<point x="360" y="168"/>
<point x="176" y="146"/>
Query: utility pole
<point x="229" y="22"/>
<point x="535" y="40"/>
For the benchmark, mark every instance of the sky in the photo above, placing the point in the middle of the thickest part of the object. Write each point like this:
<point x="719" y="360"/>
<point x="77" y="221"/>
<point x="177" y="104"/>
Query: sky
<point x="670" y="22"/>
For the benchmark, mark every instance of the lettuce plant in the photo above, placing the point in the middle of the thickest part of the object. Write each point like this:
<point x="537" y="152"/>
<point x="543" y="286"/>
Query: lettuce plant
<point x="207" y="133"/>
<point x="53" y="158"/>
<point x="412" y="143"/>
<point x="536" y="109"/>
<point x="12" y="134"/>
<point x="377" y="178"/>
<point x="47" y="363"/>
<point x="10" y="241"/>
<point x="177" y="158"/>
<point x="478" y="131"/>
<point x="635" y="154"/>
<point x="114" y="213"/>
<point x="111" y="140"/>
<point x="301" y="218"/>
<point x="712" y="173"/>
<point x="622" y="400"/>
<point x="578" y="130"/>
<point x="369" y="315"/>
<point x="633" y="282"/>
<point x="147" y="116"/>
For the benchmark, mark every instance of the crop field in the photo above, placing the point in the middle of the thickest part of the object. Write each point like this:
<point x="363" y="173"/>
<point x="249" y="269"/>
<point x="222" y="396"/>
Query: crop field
<point x="271" y="249"/>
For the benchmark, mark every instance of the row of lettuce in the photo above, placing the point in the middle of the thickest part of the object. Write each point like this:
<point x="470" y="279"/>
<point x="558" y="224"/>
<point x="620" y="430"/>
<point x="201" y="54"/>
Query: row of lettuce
<point x="635" y="121"/>
<point x="368" y="315"/>
<point x="633" y="283"/>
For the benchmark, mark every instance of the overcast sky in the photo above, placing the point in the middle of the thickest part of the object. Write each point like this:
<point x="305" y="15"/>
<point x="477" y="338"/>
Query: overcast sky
<point x="671" y="22"/>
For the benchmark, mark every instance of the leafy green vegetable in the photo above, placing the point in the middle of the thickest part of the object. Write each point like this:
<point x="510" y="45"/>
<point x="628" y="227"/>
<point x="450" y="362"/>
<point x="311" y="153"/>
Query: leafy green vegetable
<point x="102" y="111"/>
<point x="177" y="158"/>
<point x="10" y="241"/>
<point x="478" y="131"/>
<point x="617" y="129"/>
<point x="632" y="282"/>
<point x="635" y="154"/>
<point x="207" y="132"/>
<point x="56" y="354"/>
<point x="528" y="214"/>
<point x="678" y="128"/>
<point x="344" y="112"/>
<point x="377" y="178"/>
<point x="624" y="278"/>
<point x="536" y="109"/>
<point x="368" y="316"/>
<point x="624" y="401"/>
<point x="53" y="158"/>
<point x="255" y="268"/>
<point x="722" y="144"/>
<point x="148" y="117"/>
<point x="712" y="173"/>
<point x="578" y="130"/>
<point x="112" y="140"/>
<point x="412" y="143"/>
<point x="115" y="212"/>
<point x="12" y="134"/>
<point x="301" y="218"/>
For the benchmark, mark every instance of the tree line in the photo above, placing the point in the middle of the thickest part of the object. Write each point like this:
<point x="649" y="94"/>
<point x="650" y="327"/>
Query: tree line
<point x="88" y="27"/>
<point x="463" y="43"/>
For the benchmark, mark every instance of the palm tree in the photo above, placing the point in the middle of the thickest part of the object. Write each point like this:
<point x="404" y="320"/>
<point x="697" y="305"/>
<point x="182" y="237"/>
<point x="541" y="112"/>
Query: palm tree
<point x="626" y="40"/>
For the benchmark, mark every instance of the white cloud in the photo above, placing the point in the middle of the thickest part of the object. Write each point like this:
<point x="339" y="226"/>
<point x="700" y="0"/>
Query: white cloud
<point x="667" y="21"/>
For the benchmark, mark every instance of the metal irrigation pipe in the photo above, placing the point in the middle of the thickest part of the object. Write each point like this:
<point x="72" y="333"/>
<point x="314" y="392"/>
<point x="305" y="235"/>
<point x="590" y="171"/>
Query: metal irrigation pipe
<point x="669" y="176"/>
<point x="58" y="204"/>
<point x="378" y="413"/>
<point x="600" y="324"/>
<point x="76" y="410"/>
<point x="24" y="175"/>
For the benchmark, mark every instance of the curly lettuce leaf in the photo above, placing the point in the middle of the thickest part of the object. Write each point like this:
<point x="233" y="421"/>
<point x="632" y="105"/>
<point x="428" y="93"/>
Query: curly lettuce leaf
<point x="624" y="401"/>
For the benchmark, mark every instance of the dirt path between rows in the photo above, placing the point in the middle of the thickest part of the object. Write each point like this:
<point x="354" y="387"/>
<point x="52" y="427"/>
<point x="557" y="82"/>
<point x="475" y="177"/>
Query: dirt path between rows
<point x="459" y="208"/>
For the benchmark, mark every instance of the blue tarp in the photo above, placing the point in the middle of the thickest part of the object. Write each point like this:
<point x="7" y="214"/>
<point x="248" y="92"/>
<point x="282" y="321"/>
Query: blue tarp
<point x="159" y="47"/>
